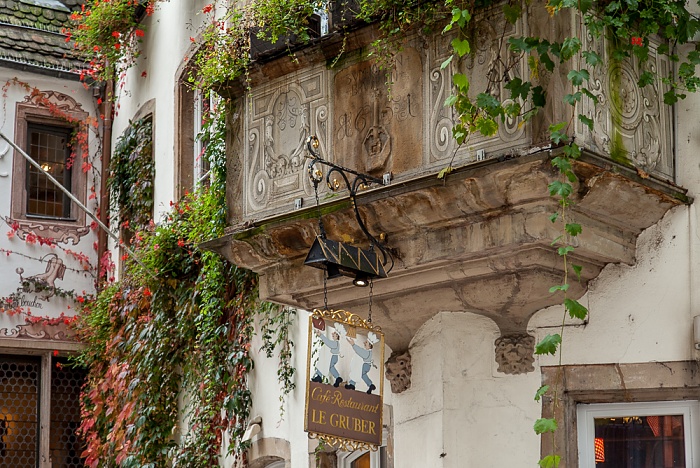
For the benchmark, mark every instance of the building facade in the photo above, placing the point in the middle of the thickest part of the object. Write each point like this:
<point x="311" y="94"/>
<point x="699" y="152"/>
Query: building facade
<point x="468" y="295"/>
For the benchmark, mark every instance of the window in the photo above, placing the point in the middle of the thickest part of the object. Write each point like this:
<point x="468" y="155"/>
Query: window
<point x="37" y="204"/>
<point x="639" y="435"/>
<point x="39" y="411"/>
<point x="49" y="147"/>
<point x="376" y="459"/>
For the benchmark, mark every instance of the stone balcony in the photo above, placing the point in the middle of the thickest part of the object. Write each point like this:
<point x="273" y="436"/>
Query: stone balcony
<point x="477" y="241"/>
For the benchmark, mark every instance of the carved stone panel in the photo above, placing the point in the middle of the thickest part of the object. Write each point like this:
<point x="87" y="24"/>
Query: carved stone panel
<point x="281" y="116"/>
<point x="377" y="130"/>
<point x="631" y="124"/>
<point x="485" y="66"/>
<point x="514" y="353"/>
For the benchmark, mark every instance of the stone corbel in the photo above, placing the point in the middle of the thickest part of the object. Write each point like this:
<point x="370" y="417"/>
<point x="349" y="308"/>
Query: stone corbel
<point x="515" y="353"/>
<point x="398" y="371"/>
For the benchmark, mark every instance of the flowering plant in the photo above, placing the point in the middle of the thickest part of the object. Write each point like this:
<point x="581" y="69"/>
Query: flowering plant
<point x="108" y="32"/>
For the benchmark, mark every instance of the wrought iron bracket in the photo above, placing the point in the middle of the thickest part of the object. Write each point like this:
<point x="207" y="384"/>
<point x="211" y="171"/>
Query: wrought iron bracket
<point x="359" y="182"/>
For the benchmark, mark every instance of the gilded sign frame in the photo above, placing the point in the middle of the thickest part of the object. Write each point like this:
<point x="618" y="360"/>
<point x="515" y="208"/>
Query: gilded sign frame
<point x="356" y="414"/>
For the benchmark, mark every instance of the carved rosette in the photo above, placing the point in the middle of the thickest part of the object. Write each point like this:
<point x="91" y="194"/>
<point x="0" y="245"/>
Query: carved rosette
<point x="630" y="123"/>
<point x="482" y="66"/>
<point x="398" y="371"/>
<point x="515" y="353"/>
<point x="281" y="116"/>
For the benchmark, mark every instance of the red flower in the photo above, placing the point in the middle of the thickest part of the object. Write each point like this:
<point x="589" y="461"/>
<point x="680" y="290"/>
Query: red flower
<point x="208" y="8"/>
<point x="144" y="74"/>
<point x="636" y="41"/>
<point x="139" y="33"/>
<point x="181" y="243"/>
<point x="116" y="34"/>
<point x="117" y="46"/>
<point x="147" y="292"/>
<point x="55" y="352"/>
<point x="96" y="48"/>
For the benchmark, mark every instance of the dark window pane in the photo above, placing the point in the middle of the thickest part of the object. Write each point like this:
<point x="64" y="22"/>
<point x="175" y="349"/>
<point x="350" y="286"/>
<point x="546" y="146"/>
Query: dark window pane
<point x="640" y="442"/>
<point x="48" y="146"/>
<point x="65" y="445"/>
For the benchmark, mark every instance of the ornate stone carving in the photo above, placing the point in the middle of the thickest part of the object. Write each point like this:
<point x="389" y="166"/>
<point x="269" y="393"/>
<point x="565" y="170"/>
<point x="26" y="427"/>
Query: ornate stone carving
<point x="398" y="371"/>
<point x="58" y="232"/>
<point x="36" y="331"/>
<point x="280" y="118"/>
<point x="385" y="126"/>
<point x="63" y="102"/>
<point x="483" y="67"/>
<point x="514" y="353"/>
<point x="631" y="123"/>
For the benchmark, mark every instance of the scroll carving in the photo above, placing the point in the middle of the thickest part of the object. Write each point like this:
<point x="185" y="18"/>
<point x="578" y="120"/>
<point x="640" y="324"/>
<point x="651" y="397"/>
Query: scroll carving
<point x="630" y="122"/>
<point x="38" y="331"/>
<point x="514" y="353"/>
<point x="281" y="117"/>
<point x="398" y="371"/>
<point x="488" y="68"/>
<point x="59" y="233"/>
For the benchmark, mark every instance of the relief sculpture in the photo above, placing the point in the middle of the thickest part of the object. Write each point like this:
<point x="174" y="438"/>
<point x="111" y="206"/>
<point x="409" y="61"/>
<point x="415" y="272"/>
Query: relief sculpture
<point x="281" y="117"/>
<point x="631" y="122"/>
<point x="488" y="67"/>
<point x="383" y="122"/>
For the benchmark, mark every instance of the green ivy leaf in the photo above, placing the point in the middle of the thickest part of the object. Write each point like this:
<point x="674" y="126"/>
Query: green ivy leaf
<point x="577" y="77"/>
<point x="541" y="391"/>
<point x="444" y="172"/>
<point x="559" y="188"/>
<point x="461" y="46"/>
<point x="565" y="250"/>
<point x="548" y="345"/>
<point x="572" y="151"/>
<point x="550" y="461"/>
<point x="518" y="88"/>
<point x="569" y="48"/>
<point x="573" y="229"/>
<point x="461" y="81"/>
<point x="561" y="163"/>
<point x="511" y="12"/>
<point x="544" y="425"/>
<point x="575" y="309"/>
<point x="559" y="287"/>
<point x="592" y="58"/>
<point x="590" y="95"/>
<point x="486" y="126"/>
<point x="571" y="99"/>
<point x="553" y="217"/>
<point x="645" y="79"/>
<point x="450" y="101"/>
<point x="577" y="269"/>
<point x="587" y="121"/>
<point x="446" y="63"/>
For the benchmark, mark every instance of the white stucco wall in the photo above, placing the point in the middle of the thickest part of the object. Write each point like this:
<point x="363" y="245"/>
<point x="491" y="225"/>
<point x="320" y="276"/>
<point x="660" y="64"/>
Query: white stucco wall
<point x="165" y="48"/>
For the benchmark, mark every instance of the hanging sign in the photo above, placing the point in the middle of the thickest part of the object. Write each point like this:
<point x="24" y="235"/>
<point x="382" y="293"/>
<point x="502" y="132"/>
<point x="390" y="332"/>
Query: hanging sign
<point x="345" y="380"/>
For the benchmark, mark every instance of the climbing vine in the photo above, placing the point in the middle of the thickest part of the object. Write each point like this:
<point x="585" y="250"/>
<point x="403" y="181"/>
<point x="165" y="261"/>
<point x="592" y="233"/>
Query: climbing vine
<point x="274" y="330"/>
<point x="628" y="26"/>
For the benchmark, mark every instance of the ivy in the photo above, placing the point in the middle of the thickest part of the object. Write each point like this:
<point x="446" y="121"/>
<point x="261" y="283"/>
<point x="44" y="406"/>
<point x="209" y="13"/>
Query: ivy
<point x="179" y="322"/>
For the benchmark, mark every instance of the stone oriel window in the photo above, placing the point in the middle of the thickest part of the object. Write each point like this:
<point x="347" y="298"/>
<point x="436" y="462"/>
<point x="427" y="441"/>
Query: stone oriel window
<point x="37" y="204"/>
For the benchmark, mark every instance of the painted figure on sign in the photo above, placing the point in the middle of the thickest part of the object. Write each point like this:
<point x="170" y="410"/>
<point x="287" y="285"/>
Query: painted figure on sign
<point x="333" y="344"/>
<point x="365" y="353"/>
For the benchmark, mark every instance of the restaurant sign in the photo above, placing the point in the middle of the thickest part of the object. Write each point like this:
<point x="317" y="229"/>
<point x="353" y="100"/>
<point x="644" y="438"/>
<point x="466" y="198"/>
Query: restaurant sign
<point x="345" y="382"/>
